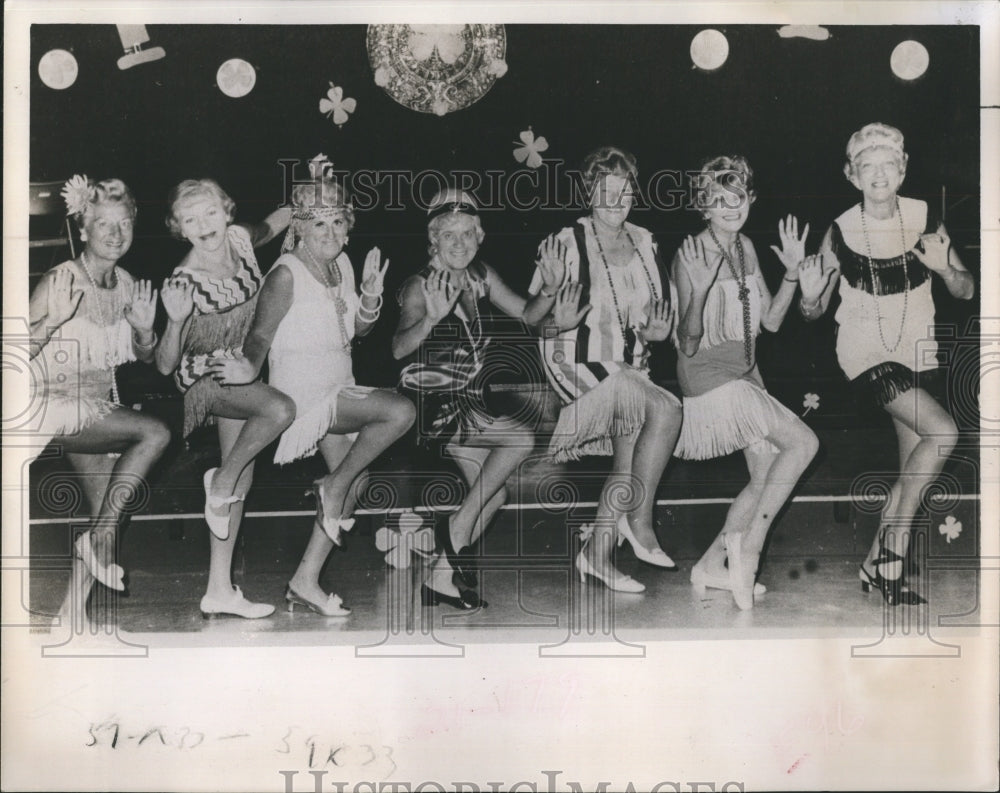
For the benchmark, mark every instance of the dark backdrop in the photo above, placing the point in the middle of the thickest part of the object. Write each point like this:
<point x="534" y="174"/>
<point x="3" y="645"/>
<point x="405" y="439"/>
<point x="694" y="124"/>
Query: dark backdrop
<point x="789" y="105"/>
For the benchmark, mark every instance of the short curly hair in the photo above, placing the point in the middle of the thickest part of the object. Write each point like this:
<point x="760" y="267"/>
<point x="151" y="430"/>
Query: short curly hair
<point x="107" y="191"/>
<point x="729" y="173"/>
<point x="605" y="161"/>
<point x="194" y="188"/>
<point x="324" y="192"/>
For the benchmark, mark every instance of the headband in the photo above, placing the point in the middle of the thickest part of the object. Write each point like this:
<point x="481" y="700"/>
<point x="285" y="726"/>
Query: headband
<point x="875" y="135"/>
<point x="454" y="207"/>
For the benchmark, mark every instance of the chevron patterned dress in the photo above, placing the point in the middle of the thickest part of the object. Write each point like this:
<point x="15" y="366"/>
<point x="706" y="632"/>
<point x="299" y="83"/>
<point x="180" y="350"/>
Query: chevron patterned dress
<point x="223" y="313"/>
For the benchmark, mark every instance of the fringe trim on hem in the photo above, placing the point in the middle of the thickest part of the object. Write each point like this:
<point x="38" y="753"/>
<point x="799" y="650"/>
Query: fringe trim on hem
<point x="887" y="381"/>
<point x="732" y="417"/>
<point x="302" y="436"/>
<point x="615" y="408"/>
<point x="69" y="415"/>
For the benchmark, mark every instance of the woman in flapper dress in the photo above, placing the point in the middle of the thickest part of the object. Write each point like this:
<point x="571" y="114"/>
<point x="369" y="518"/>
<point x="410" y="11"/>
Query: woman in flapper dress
<point x="209" y="301"/>
<point x="599" y="367"/>
<point x="89" y="316"/>
<point x="723" y="302"/>
<point x="306" y="317"/>
<point x="886" y="250"/>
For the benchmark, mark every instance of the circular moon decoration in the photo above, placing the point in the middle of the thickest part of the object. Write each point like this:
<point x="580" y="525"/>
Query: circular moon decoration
<point x="58" y="69"/>
<point x="709" y="50"/>
<point x="236" y="78"/>
<point x="437" y="68"/>
<point x="909" y="60"/>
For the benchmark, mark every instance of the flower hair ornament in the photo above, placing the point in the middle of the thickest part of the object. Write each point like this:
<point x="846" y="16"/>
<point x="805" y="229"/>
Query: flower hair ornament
<point x="77" y="193"/>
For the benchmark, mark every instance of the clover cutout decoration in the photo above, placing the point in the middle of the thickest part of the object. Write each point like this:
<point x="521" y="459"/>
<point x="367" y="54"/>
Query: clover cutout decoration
<point x="951" y="528"/>
<point x="412" y="535"/>
<point x="530" y="152"/>
<point x="336" y="106"/>
<point x="811" y="402"/>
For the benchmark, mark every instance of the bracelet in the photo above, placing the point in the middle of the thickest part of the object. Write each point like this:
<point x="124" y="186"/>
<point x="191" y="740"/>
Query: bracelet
<point x="142" y="346"/>
<point x="370" y="294"/>
<point x="790" y="280"/>
<point x="543" y="293"/>
<point x="378" y="305"/>
<point x="806" y="310"/>
<point x="372" y="315"/>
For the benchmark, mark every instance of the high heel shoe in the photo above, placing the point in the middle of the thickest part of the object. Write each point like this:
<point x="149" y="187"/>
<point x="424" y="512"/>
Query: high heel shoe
<point x="740" y="576"/>
<point x="333" y="607"/>
<point x="620" y="583"/>
<point x="701" y="580"/>
<point x="112" y="575"/>
<point x="332" y="527"/>
<point x="217" y="524"/>
<point x="466" y="600"/>
<point x="460" y="561"/>
<point x="891" y="588"/>
<point x="236" y="606"/>
<point x="655" y="557"/>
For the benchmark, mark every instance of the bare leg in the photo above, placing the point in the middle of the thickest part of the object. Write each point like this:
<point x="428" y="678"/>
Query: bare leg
<point x="918" y="413"/>
<point x="264" y="413"/>
<point x="470" y="461"/>
<point x="598" y="550"/>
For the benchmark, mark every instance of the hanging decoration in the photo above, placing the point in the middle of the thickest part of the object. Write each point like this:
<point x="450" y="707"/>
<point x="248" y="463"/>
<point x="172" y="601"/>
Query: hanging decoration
<point x="336" y="106"/>
<point x="814" y="32"/>
<point x="133" y="37"/>
<point x="709" y="50"/>
<point x="58" y="69"/>
<point x="437" y="68"/>
<point x="810" y="402"/>
<point x="909" y="60"/>
<point x="530" y="153"/>
<point x="236" y="78"/>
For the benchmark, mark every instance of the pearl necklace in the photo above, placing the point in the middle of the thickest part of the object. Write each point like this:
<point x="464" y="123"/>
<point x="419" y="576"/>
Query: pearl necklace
<point x="333" y="292"/>
<point x="109" y="352"/>
<point x="877" y="285"/>
<point x="743" y="292"/>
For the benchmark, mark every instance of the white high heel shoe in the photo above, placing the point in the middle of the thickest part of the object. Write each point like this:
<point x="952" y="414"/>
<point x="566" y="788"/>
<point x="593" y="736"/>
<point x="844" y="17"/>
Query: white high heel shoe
<point x="620" y="583"/>
<point x="701" y="581"/>
<point x="333" y="527"/>
<point x="739" y="574"/>
<point x="217" y="524"/>
<point x="112" y="575"/>
<point x="656" y="557"/>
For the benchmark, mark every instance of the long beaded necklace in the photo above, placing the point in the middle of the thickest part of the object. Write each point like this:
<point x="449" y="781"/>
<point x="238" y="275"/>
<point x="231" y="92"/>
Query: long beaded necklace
<point x="877" y="284"/>
<point x="333" y="292"/>
<point x="744" y="292"/>
<point x="110" y="348"/>
<point x="628" y="334"/>
<point x="474" y="341"/>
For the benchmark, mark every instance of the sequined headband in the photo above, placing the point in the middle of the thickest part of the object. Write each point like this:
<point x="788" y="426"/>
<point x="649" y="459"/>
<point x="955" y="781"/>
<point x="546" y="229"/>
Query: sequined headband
<point x="310" y="212"/>
<point x="454" y="207"/>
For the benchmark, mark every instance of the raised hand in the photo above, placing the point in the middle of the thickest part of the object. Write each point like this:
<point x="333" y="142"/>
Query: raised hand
<point x="231" y="369"/>
<point x="551" y="263"/>
<point x="695" y="262"/>
<point x="373" y="275"/>
<point x="814" y="277"/>
<point x="439" y="296"/>
<point x="62" y="300"/>
<point x="657" y="326"/>
<point x="177" y="295"/>
<point x="567" y="313"/>
<point x="933" y="251"/>
<point x="141" y="311"/>
<point x="793" y="247"/>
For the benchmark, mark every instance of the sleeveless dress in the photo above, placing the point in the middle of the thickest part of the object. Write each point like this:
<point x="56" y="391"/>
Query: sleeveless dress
<point x="75" y="369"/>
<point x="441" y="376"/>
<point x="223" y="313"/>
<point x="600" y="369"/>
<point x="310" y="356"/>
<point x="726" y="407"/>
<point x="881" y="290"/>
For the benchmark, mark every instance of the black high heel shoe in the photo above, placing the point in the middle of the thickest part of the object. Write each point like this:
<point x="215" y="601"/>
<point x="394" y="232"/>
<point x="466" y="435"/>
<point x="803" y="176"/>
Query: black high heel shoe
<point x="461" y="562"/>
<point x="891" y="588"/>
<point x="466" y="601"/>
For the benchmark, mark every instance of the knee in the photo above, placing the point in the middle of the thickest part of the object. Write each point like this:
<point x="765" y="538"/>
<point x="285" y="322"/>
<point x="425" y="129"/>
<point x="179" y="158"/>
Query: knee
<point x="156" y="436"/>
<point x="945" y="436"/>
<point x="521" y="439"/>
<point x="809" y="443"/>
<point x="281" y="410"/>
<point x="403" y="413"/>
<point x="661" y="407"/>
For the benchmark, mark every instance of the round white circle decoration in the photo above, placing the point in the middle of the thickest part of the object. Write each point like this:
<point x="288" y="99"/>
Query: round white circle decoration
<point x="709" y="50"/>
<point x="437" y="68"/>
<point x="236" y="78"/>
<point x="58" y="69"/>
<point x="909" y="60"/>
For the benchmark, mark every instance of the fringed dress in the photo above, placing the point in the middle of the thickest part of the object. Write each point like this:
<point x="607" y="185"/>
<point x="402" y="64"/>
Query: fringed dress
<point x="880" y="290"/>
<point x="223" y="313"/>
<point x="600" y="368"/>
<point x="76" y="367"/>
<point x="310" y="355"/>
<point x="726" y="407"/>
<point x="443" y="376"/>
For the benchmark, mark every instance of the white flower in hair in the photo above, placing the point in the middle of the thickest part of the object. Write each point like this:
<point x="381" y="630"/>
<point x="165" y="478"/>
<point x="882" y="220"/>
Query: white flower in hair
<point x="319" y="165"/>
<point x="76" y="194"/>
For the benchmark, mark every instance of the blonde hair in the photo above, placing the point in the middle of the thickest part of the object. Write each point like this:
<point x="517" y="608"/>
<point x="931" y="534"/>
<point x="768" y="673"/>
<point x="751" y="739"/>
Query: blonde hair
<point x="192" y="188"/>
<point x="107" y="191"/>
<point x="873" y="136"/>
<point x="731" y="173"/>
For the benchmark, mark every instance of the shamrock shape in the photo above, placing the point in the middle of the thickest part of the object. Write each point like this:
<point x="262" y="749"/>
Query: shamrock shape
<point x="811" y="402"/>
<point x="951" y="528"/>
<point x="530" y="152"/>
<point x="411" y="536"/>
<point x="334" y="105"/>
